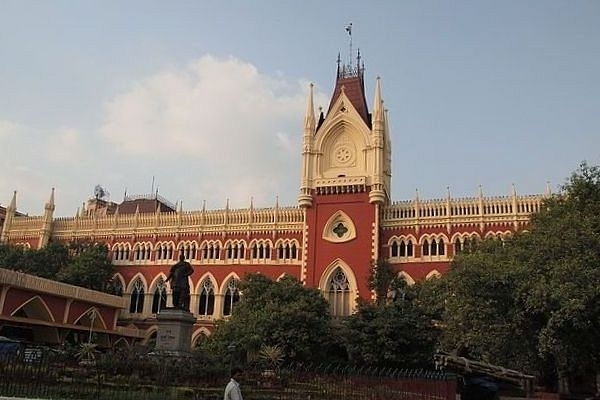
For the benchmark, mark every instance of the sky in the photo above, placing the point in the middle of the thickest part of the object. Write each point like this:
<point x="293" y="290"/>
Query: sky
<point x="204" y="100"/>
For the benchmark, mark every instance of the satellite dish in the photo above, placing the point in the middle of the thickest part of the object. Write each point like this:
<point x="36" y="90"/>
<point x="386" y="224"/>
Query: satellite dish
<point x="100" y="193"/>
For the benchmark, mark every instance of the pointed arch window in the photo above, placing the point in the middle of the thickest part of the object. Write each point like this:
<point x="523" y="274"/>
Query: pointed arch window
<point x="136" y="304"/>
<point x="207" y="298"/>
<point x="159" y="300"/>
<point x="232" y="296"/>
<point x="338" y="293"/>
<point x="441" y="247"/>
<point x="425" y="247"/>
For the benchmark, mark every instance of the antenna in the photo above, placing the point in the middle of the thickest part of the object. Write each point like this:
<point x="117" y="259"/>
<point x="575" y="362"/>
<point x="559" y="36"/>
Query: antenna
<point x="349" y="30"/>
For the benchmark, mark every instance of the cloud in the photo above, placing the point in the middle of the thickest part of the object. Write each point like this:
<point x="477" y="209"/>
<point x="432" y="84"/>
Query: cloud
<point x="215" y="129"/>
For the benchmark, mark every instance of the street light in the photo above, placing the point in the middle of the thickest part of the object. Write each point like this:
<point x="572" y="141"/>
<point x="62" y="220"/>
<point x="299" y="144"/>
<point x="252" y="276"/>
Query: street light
<point x="92" y="318"/>
<point x="231" y="349"/>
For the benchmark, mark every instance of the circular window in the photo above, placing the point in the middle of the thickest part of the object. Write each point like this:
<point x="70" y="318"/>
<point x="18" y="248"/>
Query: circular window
<point x="343" y="154"/>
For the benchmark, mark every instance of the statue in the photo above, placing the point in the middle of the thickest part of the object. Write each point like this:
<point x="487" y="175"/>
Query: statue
<point x="180" y="284"/>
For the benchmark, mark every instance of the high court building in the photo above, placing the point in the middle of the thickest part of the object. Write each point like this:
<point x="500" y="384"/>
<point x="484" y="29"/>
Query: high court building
<point x="343" y="223"/>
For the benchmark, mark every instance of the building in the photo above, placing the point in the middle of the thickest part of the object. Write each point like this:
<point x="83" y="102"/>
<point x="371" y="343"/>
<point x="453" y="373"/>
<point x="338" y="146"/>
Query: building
<point x="343" y="223"/>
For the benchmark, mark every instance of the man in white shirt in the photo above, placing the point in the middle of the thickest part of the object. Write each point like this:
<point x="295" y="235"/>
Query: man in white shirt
<point x="232" y="390"/>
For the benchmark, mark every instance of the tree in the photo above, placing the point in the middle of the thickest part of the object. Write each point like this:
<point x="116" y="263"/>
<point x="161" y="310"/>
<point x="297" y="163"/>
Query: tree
<point x="45" y="262"/>
<point x="533" y="302"/>
<point x="395" y="335"/>
<point x="284" y="314"/>
<point x="90" y="267"/>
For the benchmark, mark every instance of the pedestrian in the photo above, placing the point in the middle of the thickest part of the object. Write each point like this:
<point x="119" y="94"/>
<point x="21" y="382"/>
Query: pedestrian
<point x="232" y="390"/>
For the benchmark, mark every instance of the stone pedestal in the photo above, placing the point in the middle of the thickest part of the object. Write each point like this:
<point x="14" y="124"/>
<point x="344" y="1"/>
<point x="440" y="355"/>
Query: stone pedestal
<point x="174" y="331"/>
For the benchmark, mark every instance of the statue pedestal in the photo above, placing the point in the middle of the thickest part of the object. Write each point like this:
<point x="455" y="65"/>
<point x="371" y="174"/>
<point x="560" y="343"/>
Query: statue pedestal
<point x="174" y="334"/>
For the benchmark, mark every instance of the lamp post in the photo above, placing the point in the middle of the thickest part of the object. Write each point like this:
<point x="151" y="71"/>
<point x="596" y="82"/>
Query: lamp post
<point x="92" y="318"/>
<point x="231" y="349"/>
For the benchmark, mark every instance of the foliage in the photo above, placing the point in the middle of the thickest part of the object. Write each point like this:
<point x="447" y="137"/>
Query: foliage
<point x="45" y="262"/>
<point x="90" y="268"/>
<point x="284" y="314"/>
<point x="87" y="351"/>
<point x="533" y="302"/>
<point x="80" y="263"/>
<point x="397" y="335"/>
<point x="272" y="356"/>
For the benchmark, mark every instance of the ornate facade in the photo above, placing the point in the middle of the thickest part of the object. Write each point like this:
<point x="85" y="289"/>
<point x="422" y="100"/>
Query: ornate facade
<point x="344" y="221"/>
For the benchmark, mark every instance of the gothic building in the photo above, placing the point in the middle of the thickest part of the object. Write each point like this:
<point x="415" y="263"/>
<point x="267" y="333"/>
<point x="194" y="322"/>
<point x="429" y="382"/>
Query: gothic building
<point x="343" y="223"/>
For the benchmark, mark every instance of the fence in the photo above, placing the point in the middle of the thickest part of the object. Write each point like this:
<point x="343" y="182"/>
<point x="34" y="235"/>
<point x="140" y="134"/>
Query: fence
<point x="151" y="378"/>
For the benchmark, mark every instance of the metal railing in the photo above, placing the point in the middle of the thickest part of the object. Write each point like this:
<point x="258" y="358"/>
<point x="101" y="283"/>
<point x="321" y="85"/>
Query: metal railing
<point x="145" y="377"/>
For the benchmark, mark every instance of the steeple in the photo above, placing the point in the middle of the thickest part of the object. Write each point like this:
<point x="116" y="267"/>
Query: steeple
<point x="351" y="79"/>
<point x="48" y="220"/>
<point x="10" y="214"/>
<point x="305" y="199"/>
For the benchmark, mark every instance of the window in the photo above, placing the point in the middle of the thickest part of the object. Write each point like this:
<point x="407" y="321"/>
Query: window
<point x="287" y="251"/>
<point x="159" y="300"/>
<point x="211" y="251"/>
<point x="235" y="251"/>
<point x="232" y="296"/>
<point x="261" y="251"/>
<point x="207" y="298"/>
<point x="136" y="304"/>
<point x="338" y="293"/>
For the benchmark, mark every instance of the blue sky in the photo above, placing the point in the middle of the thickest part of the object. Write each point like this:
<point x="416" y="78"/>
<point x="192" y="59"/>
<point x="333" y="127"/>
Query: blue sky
<point x="208" y="97"/>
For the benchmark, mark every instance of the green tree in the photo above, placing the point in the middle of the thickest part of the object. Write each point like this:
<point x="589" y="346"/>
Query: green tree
<point x="284" y="314"/>
<point x="395" y="335"/>
<point x="533" y="302"/>
<point x="90" y="267"/>
<point x="45" y="262"/>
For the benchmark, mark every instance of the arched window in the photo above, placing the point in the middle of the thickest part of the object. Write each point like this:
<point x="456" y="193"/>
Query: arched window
<point x="159" y="300"/>
<point x="394" y="250"/>
<point x="261" y="251"/>
<point x="232" y="296"/>
<point x="441" y="247"/>
<point x="425" y="247"/>
<point x="409" y="248"/>
<point x="207" y="298"/>
<point x="136" y="304"/>
<point x="338" y="293"/>
<point x="457" y="246"/>
<point x="115" y="287"/>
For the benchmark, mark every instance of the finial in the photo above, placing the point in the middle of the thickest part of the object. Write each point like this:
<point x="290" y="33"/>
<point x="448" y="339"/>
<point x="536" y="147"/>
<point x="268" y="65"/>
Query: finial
<point x="480" y="191"/>
<point x="448" y="191"/>
<point x="548" y="189"/>
<point x="514" y="190"/>
<point x="13" y="201"/>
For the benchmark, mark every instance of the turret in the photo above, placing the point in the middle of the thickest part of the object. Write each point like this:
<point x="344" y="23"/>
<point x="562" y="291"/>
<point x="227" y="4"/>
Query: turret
<point x="48" y="219"/>
<point x="378" y="191"/>
<point x="305" y="199"/>
<point x="10" y="214"/>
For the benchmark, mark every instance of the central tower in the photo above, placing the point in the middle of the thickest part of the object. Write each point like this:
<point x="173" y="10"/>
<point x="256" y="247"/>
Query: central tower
<point x="346" y="164"/>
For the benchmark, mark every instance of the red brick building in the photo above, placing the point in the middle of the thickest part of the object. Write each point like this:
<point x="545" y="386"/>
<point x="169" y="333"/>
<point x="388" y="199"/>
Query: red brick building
<point x="344" y="221"/>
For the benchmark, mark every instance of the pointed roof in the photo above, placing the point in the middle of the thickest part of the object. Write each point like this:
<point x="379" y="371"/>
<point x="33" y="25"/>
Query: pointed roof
<point x="350" y="80"/>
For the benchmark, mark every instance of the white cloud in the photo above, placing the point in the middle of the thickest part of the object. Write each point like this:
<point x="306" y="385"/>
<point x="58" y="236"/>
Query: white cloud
<point x="218" y="126"/>
<point x="213" y="130"/>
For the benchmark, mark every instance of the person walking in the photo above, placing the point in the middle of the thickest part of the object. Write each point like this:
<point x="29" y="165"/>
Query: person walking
<point x="232" y="390"/>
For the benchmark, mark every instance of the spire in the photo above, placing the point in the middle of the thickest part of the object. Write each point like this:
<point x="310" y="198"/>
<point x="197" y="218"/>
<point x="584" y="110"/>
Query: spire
<point x="10" y="213"/>
<point x="548" y="191"/>
<point x="378" y="111"/>
<point x="309" y="118"/>
<point x="50" y="204"/>
<point x="13" y="202"/>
